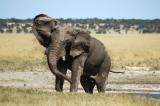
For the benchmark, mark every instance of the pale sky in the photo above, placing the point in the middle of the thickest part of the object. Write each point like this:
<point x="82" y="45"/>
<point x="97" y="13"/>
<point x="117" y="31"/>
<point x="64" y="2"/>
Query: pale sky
<point x="127" y="9"/>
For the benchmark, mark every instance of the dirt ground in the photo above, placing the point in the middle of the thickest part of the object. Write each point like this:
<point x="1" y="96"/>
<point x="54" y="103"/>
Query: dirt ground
<point x="129" y="81"/>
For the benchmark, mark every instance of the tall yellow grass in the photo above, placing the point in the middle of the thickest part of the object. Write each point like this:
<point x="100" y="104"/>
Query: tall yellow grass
<point x="23" y="52"/>
<point x="133" y="50"/>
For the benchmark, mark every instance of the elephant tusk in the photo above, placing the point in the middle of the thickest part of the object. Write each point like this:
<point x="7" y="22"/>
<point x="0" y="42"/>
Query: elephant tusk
<point x="63" y="58"/>
<point x="94" y="77"/>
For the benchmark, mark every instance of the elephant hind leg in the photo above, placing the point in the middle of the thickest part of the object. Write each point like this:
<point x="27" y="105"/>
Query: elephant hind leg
<point x="92" y="84"/>
<point x="100" y="80"/>
<point x="101" y="87"/>
<point x="102" y="75"/>
<point x="87" y="84"/>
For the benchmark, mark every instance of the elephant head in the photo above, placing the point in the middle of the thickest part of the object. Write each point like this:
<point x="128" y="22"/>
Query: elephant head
<point x="61" y="39"/>
<point x="81" y="44"/>
<point x="43" y="26"/>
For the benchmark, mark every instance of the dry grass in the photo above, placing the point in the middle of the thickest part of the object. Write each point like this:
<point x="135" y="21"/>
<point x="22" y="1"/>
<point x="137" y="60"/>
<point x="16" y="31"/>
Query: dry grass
<point x="30" y="97"/>
<point x="133" y="50"/>
<point x="19" y="52"/>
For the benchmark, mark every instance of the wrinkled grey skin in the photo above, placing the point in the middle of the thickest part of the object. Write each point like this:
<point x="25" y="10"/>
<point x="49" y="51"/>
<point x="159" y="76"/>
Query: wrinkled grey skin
<point x="42" y="27"/>
<point x="57" y="41"/>
<point x="45" y="30"/>
<point x="60" y="45"/>
<point x="91" y="56"/>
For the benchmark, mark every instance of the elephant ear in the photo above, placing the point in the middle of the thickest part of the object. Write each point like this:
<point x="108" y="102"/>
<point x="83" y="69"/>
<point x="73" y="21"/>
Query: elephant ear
<point x="85" y="39"/>
<point x="77" y="31"/>
<point x="86" y="44"/>
<point x="55" y="23"/>
<point x="72" y="31"/>
<point x="87" y="32"/>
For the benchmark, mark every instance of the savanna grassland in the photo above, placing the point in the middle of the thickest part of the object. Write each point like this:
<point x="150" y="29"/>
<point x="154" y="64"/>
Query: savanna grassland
<point x="23" y="52"/>
<point x="33" y="97"/>
<point x="133" y="50"/>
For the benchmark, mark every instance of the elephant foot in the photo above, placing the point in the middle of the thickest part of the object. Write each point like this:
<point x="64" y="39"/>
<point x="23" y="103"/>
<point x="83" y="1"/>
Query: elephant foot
<point x="58" y="89"/>
<point x="73" y="88"/>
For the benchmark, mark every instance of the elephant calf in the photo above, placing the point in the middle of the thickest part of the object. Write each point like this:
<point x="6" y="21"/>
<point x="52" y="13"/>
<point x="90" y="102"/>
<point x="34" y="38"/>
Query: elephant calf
<point x="90" y="53"/>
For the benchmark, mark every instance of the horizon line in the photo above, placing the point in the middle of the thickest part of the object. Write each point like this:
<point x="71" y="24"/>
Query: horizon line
<point x="75" y="18"/>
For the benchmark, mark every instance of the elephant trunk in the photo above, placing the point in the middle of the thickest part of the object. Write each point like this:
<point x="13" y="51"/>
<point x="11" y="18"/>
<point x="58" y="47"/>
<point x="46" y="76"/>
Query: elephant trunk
<point x="39" y="38"/>
<point x="44" y="40"/>
<point x="54" y="54"/>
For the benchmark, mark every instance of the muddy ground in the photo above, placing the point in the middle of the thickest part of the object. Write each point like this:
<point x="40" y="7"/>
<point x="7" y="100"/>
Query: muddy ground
<point x="130" y="81"/>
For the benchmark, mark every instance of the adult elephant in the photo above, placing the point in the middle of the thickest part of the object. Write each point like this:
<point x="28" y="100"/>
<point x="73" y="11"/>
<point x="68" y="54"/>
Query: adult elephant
<point x="90" y="62"/>
<point x="90" y="54"/>
<point x="57" y="41"/>
<point x="62" y="38"/>
<point x="61" y="42"/>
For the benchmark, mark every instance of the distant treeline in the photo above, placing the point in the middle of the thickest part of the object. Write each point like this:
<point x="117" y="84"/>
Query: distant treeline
<point x="94" y="24"/>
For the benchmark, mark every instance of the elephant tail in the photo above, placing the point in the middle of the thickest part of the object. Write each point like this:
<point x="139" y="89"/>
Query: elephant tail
<point x="122" y="72"/>
<point x="95" y="77"/>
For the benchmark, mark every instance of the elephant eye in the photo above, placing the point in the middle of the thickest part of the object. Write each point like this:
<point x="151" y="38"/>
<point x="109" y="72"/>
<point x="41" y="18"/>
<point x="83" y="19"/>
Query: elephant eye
<point x="46" y="22"/>
<point x="38" y="22"/>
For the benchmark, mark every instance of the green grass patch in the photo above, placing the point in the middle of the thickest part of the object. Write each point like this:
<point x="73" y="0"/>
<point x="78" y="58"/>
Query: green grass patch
<point x="34" y="97"/>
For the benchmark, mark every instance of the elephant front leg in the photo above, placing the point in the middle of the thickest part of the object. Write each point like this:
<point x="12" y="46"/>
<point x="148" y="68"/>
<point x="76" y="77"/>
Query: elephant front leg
<point x="77" y="70"/>
<point x="75" y="77"/>
<point x="59" y="80"/>
<point x="59" y="84"/>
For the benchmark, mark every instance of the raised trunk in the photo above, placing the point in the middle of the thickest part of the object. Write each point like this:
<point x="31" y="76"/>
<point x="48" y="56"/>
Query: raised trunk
<point x="53" y="57"/>
<point x="44" y="40"/>
<point x="39" y="38"/>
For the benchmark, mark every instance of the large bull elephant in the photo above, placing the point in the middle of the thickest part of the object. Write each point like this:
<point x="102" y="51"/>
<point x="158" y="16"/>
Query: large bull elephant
<point x="57" y="41"/>
<point x="75" y="46"/>
<point x="61" y="40"/>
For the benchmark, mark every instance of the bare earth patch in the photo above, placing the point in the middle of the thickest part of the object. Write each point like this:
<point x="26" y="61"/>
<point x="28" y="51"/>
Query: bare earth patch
<point x="130" y="81"/>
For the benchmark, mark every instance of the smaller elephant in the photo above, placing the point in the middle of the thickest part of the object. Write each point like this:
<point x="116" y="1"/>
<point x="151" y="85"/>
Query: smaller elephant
<point x="91" y="55"/>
